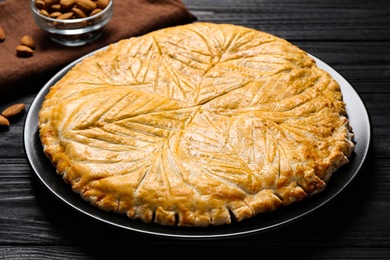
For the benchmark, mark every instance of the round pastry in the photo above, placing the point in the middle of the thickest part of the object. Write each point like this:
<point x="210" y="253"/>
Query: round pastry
<point x="195" y="125"/>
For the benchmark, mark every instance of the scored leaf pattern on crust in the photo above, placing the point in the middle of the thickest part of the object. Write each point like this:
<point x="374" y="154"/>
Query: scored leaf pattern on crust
<point x="189" y="126"/>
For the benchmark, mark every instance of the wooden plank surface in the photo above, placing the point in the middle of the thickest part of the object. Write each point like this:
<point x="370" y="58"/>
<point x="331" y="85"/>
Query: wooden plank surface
<point x="351" y="36"/>
<point x="302" y="20"/>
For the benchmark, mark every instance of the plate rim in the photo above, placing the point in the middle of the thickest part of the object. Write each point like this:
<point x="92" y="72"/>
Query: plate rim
<point x="31" y="123"/>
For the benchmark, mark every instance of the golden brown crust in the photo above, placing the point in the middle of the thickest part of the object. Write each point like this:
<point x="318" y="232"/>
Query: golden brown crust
<point x="194" y="124"/>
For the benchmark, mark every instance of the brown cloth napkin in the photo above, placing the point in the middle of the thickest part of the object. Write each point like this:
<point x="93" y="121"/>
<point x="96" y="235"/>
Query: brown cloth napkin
<point x="130" y="18"/>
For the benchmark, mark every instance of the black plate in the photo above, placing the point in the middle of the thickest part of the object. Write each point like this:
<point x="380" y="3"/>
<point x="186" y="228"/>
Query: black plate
<point x="359" y="120"/>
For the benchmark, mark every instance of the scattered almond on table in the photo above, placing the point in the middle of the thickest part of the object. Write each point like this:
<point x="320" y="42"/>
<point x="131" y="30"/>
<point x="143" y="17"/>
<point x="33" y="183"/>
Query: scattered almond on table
<point x="28" y="41"/>
<point x="23" y="51"/>
<point x="14" y="110"/>
<point x="3" y="121"/>
<point x="26" y="47"/>
<point x="11" y="112"/>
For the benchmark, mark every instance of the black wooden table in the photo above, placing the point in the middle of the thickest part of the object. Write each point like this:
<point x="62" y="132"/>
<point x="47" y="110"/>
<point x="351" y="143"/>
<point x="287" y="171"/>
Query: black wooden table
<point x="352" y="36"/>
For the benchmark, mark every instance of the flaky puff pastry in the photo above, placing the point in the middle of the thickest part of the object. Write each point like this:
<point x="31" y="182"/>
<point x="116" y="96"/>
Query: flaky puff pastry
<point x="195" y="125"/>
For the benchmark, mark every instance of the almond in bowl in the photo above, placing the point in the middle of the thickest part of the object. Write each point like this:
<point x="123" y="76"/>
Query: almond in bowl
<point x="72" y="22"/>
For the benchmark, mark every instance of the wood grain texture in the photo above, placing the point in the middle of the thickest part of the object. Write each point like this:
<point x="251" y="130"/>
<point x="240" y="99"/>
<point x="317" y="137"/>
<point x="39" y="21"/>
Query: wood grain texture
<point x="128" y="252"/>
<point x="302" y="20"/>
<point x="353" y="36"/>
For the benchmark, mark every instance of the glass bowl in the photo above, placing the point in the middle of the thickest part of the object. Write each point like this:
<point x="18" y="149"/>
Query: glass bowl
<point x="73" y="31"/>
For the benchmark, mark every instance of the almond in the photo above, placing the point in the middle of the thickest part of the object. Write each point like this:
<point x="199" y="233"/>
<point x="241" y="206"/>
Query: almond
<point x="56" y="8"/>
<point x="102" y="3"/>
<point x="44" y="12"/>
<point x="51" y="2"/>
<point x="23" y="51"/>
<point x="3" y="121"/>
<point x="78" y="12"/>
<point x="96" y="11"/>
<point x="86" y="5"/>
<point x="66" y="4"/>
<point x="28" y="41"/>
<point x="55" y="14"/>
<point x="40" y="4"/>
<point x="14" y="110"/>
<point x="2" y="34"/>
<point x="65" y="16"/>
